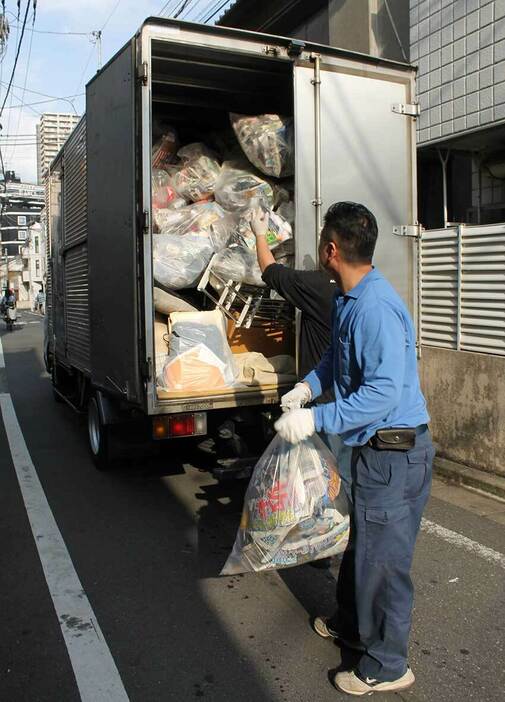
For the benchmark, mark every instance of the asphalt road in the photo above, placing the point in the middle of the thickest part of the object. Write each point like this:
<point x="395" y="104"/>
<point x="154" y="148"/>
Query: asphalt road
<point x="147" y="542"/>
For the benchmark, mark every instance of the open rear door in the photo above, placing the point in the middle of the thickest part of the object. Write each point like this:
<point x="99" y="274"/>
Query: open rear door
<point x="359" y="113"/>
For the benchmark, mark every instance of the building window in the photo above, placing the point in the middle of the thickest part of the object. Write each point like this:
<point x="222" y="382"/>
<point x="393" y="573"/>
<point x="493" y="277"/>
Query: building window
<point x="36" y="241"/>
<point x="22" y="234"/>
<point x="22" y="221"/>
<point x="37" y="268"/>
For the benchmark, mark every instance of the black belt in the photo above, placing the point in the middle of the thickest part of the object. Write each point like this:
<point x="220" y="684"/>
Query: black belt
<point x="396" y="439"/>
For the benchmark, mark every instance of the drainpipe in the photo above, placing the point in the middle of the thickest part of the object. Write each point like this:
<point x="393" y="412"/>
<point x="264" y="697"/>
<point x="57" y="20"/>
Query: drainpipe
<point x="444" y="161"/>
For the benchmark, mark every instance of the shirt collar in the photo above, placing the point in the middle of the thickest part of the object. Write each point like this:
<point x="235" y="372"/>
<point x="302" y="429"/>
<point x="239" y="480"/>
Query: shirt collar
<point x="360" y="287"/>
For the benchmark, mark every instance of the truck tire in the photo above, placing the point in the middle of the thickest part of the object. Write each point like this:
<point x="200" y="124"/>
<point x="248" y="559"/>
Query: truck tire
<point x="56" y="395"/>
<point x="99" y="437"/>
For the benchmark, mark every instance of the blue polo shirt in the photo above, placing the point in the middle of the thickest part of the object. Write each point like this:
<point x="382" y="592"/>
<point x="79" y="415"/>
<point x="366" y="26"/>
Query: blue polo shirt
<point x="371" y="365"/>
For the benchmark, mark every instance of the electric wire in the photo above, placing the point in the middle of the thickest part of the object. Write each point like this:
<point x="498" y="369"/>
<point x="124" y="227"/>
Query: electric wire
<point x="112" y="12"/>
<point x="218" y="10"/>
<point x="181" y="8"/>
<point x="11" y="155"/>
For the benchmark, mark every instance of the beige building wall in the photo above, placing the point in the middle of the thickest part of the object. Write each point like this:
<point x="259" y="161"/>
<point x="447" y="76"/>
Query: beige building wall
<point x="466" y="400"/>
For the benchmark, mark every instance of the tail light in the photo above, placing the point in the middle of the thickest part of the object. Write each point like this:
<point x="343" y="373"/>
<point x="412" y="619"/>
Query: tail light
<point x="174" y="426"/>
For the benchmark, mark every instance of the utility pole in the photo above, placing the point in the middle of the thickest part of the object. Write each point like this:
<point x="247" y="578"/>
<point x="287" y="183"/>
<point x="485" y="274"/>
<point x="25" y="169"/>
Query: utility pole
<point x="6" y="252"/>
<point x="97" y="39"/>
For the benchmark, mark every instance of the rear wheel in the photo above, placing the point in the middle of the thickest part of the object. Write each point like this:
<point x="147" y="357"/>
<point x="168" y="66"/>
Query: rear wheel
<point x="99" y="437"/>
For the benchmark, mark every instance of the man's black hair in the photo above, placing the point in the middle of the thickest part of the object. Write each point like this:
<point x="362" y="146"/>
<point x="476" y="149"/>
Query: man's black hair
<point x="354" y="229"/>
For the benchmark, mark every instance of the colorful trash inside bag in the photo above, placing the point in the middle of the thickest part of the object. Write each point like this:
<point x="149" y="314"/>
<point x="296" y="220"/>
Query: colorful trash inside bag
<point x="267" y="141"/>
<point x="294" y="511"/>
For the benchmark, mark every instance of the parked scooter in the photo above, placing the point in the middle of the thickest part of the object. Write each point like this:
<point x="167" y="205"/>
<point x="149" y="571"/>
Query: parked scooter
<point x="8" y="309"/>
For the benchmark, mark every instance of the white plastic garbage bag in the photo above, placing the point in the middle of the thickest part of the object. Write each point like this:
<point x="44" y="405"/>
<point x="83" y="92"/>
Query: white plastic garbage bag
<point x="236" y="189"/>
<point x="294" y="511"/>
<point x="267" y="141"/>
<point x="179" y="261"/>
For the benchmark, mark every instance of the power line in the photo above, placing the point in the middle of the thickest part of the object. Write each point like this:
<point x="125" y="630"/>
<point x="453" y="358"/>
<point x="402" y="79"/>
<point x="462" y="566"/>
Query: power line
<point x="24" y="86"/>
<point x="182" y="8"/>
<point x="212" y="15"/>
<point x="190" y="9"/>
<point x="111" y="14"/>
<point x="60" y="34"/>
<point x="17" y="57"/>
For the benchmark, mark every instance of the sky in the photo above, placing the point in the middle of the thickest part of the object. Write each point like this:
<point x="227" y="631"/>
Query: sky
<point x="60" y="65"/>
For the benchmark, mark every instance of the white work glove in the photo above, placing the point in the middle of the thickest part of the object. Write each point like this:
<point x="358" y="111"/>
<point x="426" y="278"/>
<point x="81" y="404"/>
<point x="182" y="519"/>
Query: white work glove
<point x="296" y="398"/>
<point x="295" y="426"/>
<point x="259" y="220"/>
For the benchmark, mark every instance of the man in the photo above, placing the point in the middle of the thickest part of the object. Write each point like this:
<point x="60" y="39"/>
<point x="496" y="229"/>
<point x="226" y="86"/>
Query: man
<point x="380" y="411"/>
<point x="40" y="301"/>
<point x="313" y="293"/>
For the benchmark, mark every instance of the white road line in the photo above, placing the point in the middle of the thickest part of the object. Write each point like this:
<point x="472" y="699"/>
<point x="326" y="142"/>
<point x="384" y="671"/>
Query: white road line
<point x="2" y="359"/>
<point x="453" y="537"/>
<point x="94" y="668"/>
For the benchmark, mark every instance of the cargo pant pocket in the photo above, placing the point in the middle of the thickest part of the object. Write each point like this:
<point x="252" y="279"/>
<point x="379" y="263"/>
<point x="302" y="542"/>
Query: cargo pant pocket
<point x="388" y="534"/>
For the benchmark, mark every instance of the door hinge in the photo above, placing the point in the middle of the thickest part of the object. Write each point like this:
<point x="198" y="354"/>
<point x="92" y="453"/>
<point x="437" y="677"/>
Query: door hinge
<point x="271" y="50"/>
<point x="146" y="221"/>
<point x="296" y="48"/>
<point x="144" y="73"/>
<point x="413" y="110"/>
<point x="412" y="230"/>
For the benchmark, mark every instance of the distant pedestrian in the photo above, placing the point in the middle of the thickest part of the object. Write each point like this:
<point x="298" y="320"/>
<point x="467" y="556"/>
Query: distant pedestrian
<point x="40" y="301"/>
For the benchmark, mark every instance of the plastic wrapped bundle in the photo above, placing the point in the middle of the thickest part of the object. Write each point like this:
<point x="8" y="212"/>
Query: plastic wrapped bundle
<point x="237" y="189"/>
<point x="238" y="263"/>
<point x="200" y="358"/>
<point x="294" y="509"/>
<point x="165" y="150"/>
<point x="267" y="141"/>
<point x="197" y="178"/>
<point x="179" y="261"/>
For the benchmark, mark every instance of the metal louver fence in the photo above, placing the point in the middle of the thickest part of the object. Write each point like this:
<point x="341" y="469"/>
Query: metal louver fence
<point x="462" y="288"/>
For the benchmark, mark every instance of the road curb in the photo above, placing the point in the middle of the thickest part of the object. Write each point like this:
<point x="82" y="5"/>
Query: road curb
<point x="458" y="474"/>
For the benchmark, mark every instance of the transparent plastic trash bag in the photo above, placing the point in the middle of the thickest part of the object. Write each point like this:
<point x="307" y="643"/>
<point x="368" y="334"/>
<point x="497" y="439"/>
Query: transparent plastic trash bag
<point x="279" y="230"/>
<point x="196" y="219"/>
<point x="179" y="261"/>
<point x="295" y="509"/>
<point x="164" y="193"/>
<point x="237" y="188"/>
<point x="197" y="178"/>
<point x="267" y="141"/>
<point x="200" y="358"/>
<point x="238" y="263"/>
<point x="164" y="151"/>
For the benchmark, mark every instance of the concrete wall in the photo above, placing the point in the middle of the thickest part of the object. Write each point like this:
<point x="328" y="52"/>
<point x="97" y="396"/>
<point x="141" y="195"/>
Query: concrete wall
<point x="466" y="400"/>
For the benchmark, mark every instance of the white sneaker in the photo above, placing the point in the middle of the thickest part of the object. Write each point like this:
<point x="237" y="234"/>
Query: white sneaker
<point x="348" y="682"/>
<point x="320" y="626"/>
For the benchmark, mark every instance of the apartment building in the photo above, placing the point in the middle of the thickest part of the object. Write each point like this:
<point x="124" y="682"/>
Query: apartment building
<point x="53" y="130"/>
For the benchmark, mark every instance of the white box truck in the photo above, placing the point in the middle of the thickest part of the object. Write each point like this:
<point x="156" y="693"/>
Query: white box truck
<point x="354" y="121"/>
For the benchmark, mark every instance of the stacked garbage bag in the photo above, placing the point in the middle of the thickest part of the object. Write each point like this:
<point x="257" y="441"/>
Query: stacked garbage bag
<point x="294" y="510"/>
<point x="203" y="205"/>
